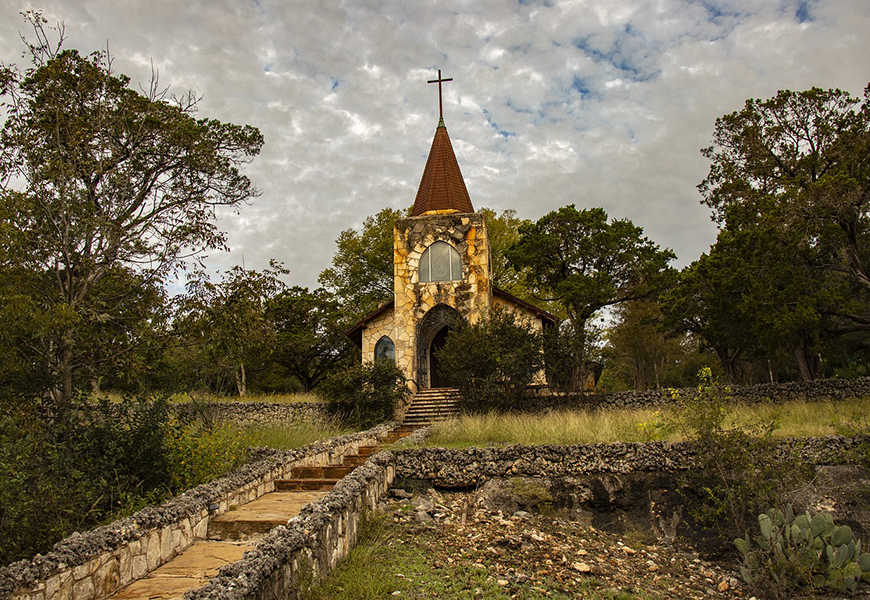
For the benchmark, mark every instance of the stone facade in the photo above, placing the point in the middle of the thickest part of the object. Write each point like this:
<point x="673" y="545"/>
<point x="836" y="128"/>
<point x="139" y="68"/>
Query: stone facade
<point x="470" y="296"/>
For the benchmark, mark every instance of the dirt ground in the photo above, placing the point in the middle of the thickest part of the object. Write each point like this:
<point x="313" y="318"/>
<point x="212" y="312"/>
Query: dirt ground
<point x="531" y="555"/>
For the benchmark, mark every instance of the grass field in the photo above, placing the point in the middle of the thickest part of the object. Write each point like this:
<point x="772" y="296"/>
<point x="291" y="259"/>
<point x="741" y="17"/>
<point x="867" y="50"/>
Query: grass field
<point x="793" y="419"/>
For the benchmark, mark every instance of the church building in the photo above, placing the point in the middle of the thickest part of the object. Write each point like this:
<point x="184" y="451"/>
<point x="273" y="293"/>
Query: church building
<point x="442" y="273"/>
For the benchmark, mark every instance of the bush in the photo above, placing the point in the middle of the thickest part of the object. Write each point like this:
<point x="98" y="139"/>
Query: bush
<point x="365" y="394"/>
<point x="61" y="473"/>
<point x="792" y="551"/>
<point x="492" y="362"/>
<point x="739" y="471"/>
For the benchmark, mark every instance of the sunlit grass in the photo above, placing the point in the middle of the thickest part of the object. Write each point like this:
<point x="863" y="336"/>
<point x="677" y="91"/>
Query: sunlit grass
<point x="285" y="437"/>
<point x="792" y="419"/>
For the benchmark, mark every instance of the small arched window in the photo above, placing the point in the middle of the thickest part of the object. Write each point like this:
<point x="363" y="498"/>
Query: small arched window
<point x="385" y="349"/>
<point x="440" y="262"/>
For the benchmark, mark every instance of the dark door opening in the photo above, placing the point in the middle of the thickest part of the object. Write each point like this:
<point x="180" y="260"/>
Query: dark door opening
<point x="436" y="378"/>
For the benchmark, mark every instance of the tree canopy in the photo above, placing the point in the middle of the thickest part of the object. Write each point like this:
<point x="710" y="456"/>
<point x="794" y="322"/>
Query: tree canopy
<point x="587" y="263"/>
<point x="104" y="191"/>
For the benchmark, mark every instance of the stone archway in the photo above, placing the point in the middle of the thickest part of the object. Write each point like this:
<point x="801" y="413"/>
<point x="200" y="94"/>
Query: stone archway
<point x="432" y="332"/>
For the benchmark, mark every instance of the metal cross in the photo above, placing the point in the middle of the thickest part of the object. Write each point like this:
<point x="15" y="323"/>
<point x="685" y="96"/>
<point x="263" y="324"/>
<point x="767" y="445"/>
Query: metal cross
<point x="438" y="81"/>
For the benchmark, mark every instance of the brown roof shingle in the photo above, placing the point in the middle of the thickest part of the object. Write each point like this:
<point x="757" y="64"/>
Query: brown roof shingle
<point x="442" y="186"/>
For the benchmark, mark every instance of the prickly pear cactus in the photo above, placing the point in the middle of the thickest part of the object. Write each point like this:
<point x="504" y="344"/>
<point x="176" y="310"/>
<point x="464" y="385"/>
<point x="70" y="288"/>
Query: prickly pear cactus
<point x="808" y="547"/>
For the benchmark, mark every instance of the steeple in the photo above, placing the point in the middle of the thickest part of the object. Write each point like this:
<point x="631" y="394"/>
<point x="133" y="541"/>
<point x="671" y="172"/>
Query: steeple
<point x="442" y="188"/>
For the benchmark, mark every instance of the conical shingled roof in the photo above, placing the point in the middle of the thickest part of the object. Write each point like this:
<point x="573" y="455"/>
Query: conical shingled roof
<point x="442" y="187"/>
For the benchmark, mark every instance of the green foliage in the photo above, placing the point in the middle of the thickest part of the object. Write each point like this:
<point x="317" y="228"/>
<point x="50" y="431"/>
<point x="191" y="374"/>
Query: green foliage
<point x="68" y="472"/>
<point x="738" y="468"/>
<point x="587" y="262"/>
<point x="361" y="275"/>
<point x="569" y="357"/>
<point x="788" y="184"/>
<point x="310" y="328"/>
<point x="642" y="352"/>
<point x="225" y="327"/>
<point x="365" y="394"/>
<point x="797" y="550"/>
<point x="492" y="362"/>
<point x="104" y="191"/>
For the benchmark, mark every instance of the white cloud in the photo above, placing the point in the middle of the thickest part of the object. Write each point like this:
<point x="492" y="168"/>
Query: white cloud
<point x="586" y="102"/>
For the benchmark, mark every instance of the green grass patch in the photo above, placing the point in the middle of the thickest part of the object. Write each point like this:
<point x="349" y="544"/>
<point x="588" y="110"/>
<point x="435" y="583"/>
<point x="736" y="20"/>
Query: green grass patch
<point x="285" y="437"/>
<point x="793" y="419"/>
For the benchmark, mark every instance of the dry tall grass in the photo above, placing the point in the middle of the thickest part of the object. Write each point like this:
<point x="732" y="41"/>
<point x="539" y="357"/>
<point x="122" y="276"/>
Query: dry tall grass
<point x="793" y="419"/>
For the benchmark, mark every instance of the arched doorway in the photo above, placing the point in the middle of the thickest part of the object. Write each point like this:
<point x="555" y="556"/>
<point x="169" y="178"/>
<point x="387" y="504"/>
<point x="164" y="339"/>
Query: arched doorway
<point x="436" y="378"/>
<point x="432" y="334"/>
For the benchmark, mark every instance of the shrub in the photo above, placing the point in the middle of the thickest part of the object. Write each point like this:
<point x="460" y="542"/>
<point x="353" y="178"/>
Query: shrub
<point x="365" y="394"/>
<point x="61" y="473"/>
<point x="739" y="469"/>
<point x="491" y="362"/>
<point x="801" y="550"/>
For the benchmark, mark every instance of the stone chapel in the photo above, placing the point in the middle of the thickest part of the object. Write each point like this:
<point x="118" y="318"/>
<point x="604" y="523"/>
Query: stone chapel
<point x="442" y="273"/>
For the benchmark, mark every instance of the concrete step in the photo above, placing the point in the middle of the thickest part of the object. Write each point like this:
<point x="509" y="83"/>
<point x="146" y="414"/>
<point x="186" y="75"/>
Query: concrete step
<point x="258" y="517"/>
<point x="305" y="485"/>
<point x="327" y="472"/>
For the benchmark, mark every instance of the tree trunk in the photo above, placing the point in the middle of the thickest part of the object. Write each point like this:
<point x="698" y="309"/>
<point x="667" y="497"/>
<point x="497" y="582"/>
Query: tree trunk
<point x="241" y="384"/>
<point x="806" y="363"/>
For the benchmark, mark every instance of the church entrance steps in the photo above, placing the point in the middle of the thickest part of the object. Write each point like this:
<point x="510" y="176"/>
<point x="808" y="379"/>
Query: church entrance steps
<point x="431" y="405"/>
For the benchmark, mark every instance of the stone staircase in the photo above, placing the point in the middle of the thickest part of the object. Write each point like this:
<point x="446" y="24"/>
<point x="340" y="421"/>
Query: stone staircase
<point x="237" y="530"/>
<point x="431" y="405"/>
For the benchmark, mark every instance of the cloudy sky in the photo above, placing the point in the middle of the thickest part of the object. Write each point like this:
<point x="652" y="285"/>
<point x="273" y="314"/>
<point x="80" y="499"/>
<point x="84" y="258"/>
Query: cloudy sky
<point x="591" y="102"/>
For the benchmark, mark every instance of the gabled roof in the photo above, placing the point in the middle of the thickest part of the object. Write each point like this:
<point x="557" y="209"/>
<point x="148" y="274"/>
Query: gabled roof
<point x="442" y="187"/>
<point x="355" y="332"/>
<point x="547" y="318"/>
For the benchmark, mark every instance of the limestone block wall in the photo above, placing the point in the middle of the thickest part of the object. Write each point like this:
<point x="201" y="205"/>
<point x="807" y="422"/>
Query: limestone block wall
<point x="98" y="562"/>
<point x="260" y="413"/>
<point x="382" y="325"/>
<point x="469" y="467"/>
<point x="471" y="295"/>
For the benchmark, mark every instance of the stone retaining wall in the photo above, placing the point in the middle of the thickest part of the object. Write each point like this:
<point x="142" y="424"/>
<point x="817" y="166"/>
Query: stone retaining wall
<point x="822" y="389"/>
<point x="96" y="563"/>
<point x="260" y="413"/>
<point x="310" y="545"/>
<point x="469" y="467"/>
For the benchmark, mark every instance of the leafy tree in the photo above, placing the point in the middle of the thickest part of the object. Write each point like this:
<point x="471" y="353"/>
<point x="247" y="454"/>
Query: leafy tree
<point x="228" y="322"/>
<point x="102" y="187"/>
<point x="587" y="262"/>
<point x="801" y="161"/>
<point x="310" y="328"/>
<point x="361" y="275"/>
<point x="642" y="352"/>
<point x="365" y="394"/>
<point x="492" y="361"/>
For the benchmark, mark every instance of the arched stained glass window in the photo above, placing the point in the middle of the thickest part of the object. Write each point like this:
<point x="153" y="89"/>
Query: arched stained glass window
<point x="440" y="262"/>
<point x="385" y="349"/>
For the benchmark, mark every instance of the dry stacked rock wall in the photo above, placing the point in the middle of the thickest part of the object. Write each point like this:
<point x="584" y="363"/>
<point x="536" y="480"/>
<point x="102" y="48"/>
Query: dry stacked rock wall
<point x="260" y="413"/>
<point x="822" y="389"/>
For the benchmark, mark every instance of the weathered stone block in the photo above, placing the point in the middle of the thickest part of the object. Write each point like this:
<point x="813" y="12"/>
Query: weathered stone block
<point x="84" y="589"/>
